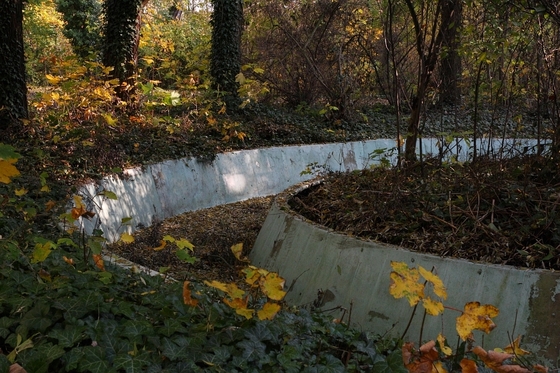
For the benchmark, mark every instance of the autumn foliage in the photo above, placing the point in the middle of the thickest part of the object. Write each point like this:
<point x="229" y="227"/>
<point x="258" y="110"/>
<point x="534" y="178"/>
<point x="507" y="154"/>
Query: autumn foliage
<point x="437" y="357"/>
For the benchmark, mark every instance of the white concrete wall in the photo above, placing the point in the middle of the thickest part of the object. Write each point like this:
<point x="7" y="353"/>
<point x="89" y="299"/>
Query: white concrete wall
<point x="173" y="187"/>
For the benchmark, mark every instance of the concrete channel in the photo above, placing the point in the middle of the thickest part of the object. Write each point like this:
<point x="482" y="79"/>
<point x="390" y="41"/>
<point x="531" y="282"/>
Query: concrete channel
<point x="313" y="259"/>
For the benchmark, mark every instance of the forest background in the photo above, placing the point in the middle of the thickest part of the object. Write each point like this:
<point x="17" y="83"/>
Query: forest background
<point x="88" y="88"/>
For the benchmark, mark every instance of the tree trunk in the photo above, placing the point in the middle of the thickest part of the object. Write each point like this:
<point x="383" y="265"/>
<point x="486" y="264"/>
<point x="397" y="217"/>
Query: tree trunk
<point x="225" y="59"/>
<point x="450" y="66"/>
<point x="122" y="35"/>
<point x="13" y="88"/>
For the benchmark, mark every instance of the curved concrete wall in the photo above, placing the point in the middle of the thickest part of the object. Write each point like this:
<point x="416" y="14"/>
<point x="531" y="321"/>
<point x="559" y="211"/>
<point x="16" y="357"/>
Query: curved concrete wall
<point x="349" y="270"/>
<point x="166" y="189"/>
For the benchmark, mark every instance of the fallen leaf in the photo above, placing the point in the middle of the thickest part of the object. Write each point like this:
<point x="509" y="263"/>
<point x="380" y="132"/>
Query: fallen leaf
<point x="237" y="251"/>
<point x="183" y="243"/>
<point x="476" y="316"/>
<point x="98" y="260"/>
<point x="16" y="368"/>
<point x="468" y="366"/>
<point x="425" y="360"/>
<point x="514" y="348"/>
<point x="272" y="286"/>
<point x="268" y="311"/>
<point x="21" y="192"/>
<point x="127" y="238"/>
<point x="240" y="306"/>
<point x="494" y="360"/>
<point x="161" y="246"/>
<point x="68" y="260"/>
<point x="187" y="296"/>
<point x="7" y="170"/>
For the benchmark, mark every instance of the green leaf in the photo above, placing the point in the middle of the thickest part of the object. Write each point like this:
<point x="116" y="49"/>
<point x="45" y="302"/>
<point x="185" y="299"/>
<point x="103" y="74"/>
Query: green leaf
<point x="38" y="318"/>
<point x="94" y="360"/>
<point x="4" y="364"/>
<point x="132" y="364"/>
<point x="8" y="152"/>
<point x="68" y="336"/>
<point x="171" y="326"/>
<point x="392" y="364"/>
<point x="108" y="194"/>
<point x="185" y="256"/>
<point x="171" y="350"/>
<point x="134" y="330"/>
<point x="5" y="323"/>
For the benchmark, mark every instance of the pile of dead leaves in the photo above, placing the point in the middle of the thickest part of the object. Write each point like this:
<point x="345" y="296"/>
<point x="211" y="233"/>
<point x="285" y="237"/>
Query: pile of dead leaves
<point x="496" y="211"/>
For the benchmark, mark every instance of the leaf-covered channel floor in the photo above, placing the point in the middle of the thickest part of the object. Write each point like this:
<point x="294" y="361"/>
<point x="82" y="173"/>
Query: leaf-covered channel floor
<point x="497" y="212"/>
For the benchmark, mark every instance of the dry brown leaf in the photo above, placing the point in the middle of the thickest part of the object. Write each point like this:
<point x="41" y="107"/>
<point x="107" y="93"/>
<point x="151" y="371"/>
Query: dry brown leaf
<point x="468" y="366"/>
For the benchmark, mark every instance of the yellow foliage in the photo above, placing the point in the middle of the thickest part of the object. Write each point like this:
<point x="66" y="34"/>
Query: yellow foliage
<point x="127" y="238"/>
<point x="439" y="288"/>
<point x="432" y="307"/>
<point x="514" y="348"/>
<point x="405" y="283"/>
<point x="268" y="311"/>
<point x="161" y="246"/>
<point x="476" y="317"/>
<point x="7" y="170"/>
<point x="272" y="286"/>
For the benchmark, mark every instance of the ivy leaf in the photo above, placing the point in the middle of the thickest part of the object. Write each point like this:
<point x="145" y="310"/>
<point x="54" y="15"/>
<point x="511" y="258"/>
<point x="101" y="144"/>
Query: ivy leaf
<point x="7" y="170"/>
<point x="132" y="363"/>
<point x="68" y="336"/>
<point x="405" y="283"/>
<point x="268" y="311"/>
<point x="172" y="351"/>
<point x="94" y="360"/>
<point x="476" y="316"/>
<point x="187" y="297"/>
<point x="272" y="285"/>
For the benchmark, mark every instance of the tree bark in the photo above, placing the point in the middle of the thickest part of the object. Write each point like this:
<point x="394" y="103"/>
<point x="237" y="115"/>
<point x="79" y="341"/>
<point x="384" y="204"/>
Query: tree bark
<point x="450" y="65"/>
<point x="13" y="88"/>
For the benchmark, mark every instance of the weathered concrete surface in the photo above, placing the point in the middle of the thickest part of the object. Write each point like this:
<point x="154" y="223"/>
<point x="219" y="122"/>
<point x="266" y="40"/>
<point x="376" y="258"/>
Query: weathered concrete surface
<point x="173" y="187"/>
<point x="353" y="271"/>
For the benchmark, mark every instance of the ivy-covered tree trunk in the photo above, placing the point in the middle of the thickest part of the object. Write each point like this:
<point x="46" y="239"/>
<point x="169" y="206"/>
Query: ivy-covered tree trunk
<point x="225" y="59"/>
<point x="13" y="89"/>
<point x="122" y="35"/>
<point x="81" y="26"/>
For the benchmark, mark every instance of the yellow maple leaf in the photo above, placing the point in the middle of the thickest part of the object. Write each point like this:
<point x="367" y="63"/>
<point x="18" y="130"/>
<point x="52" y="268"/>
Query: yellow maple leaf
<point x="405" y="283"/>
<point x="445" y="349"/>
<point x="268" y="311"/>
<point x="252" y="275"/>
<point x="514" y="348"/>
<point x="433" y="307"/>
<point x="127" y="238"/>
<point x="230" y="289"/>
<point x="54" y="80"/>
<point x="240" y="306"/>
<point x="237" y="251"/>
<point x="183" y="243"/>
<point x="187" y="295"/>
<point x="476" y="316"/>
<point x="217" y="285"/>
<point x="439" y="288"/>
<point x="21" y="192"/>
<point x="50" y="205"/>
<point x="7" y="170"/>
<point x="41" y="252"/>
<point x="272" y="286"/>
